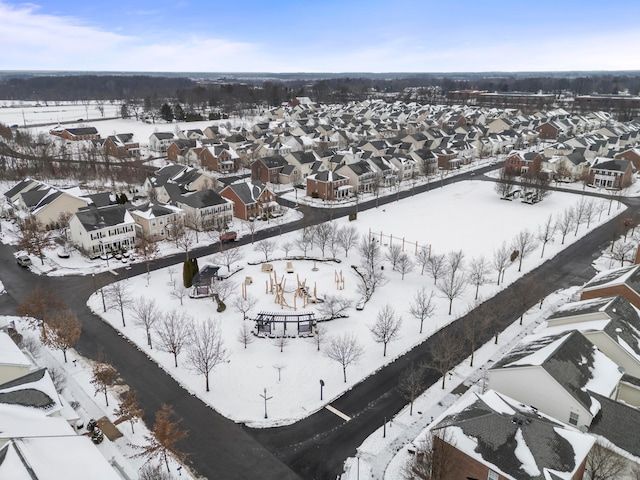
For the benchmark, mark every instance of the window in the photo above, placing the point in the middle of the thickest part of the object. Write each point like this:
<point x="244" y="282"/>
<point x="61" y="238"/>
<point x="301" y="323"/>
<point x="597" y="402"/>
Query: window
<point x="493" y="475"/>
<point x="573" y="418"/>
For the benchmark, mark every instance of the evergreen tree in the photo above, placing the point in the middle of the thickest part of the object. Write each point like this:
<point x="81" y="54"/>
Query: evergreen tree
<point x="166" y="112"/>
<point x="187" y="274"/>
<point x="178" y="113"/>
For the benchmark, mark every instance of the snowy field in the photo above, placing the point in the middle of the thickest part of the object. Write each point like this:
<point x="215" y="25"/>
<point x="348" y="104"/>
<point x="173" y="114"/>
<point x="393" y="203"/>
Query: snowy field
<point x="451" y="218"/>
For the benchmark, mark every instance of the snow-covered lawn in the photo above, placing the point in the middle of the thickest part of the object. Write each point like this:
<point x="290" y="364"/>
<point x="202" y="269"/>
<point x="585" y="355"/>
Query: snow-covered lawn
<point x="467" y="216"/>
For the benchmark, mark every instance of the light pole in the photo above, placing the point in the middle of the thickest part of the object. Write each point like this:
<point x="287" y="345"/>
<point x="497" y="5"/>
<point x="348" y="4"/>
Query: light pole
<point x="321" y="385"/>
<point x="264" y="395"/>
<point x="95" y="287"/>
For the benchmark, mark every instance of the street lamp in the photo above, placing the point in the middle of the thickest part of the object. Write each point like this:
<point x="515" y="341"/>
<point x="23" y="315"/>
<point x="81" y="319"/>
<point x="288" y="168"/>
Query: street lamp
<point x="321" y="385"/>
<point x="264" y="395"/>
<point x="95" y="287"/>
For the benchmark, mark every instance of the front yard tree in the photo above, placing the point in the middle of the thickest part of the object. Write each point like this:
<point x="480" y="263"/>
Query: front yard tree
<point x="162" y="442"/>
<point x="386" y="327"/>
<point x="411" y="384"/>
<point x="205" y="349"/>
<point x="622" y="251"/>
<point x="423" y="306"/>
<point x="34" y="237"/>
<point x="63" y="331"/>
<point x="118" y="297"/>
<point x="344" y="349"/>
<point x="148" y="251"/>
<point x="266" y="247"/>
<point x="229" y="256"/>
<point x="39" y="306"/>
<point x="145" y="315"/>
<point x="245" y="305"/>
<point x="546" y="232"/>
<point x="129" y="410"/>
<point x="434" y="458"/>
<point x="504" y="185"/>
<point x="245" y="335"/>
<point x="525" y="243"/>
<point x="445" y="353"/>
<point x="172" y="332"/>
<point x="185" y="242"/>
<point x="103" y="376"/>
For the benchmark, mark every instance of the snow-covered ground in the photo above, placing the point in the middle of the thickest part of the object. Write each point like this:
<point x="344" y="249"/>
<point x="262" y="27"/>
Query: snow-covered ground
<point x="447" y="219"/>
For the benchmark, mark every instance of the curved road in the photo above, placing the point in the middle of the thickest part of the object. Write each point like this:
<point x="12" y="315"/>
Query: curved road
<point x="314" y="448"/>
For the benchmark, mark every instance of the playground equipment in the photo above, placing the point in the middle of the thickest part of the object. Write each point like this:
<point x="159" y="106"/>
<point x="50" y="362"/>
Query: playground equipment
<point x="339" y="279"/>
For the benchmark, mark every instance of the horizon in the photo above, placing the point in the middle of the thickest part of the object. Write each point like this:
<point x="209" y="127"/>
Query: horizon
<point x="289" y="37"/>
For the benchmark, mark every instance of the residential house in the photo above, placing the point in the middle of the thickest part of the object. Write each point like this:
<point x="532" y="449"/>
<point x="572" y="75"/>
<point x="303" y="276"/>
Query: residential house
<point x="303" y="161"/>
<point x="177" y="179"/>
<point x="631" y="154"/>
<point x="267" y="169"/>
<point x="122" y="145"/>
<point x="160" y="141"/>
<point x="519" y="163"/>
<point x="556" y="373"/>
<point x="76" y="134"/>
<point x="250" y="200"/>
<point x="492" y="436"/>
<point x="362" y="177"/>
<point x="328" y="185"/>
<point x="219" y="158"/>
<point x="624" y="281"/>
<point x="611" y="173"/>
<point x="386" y="171"/>
<point x="206" y="208"/>
<point x="178" y="149"/>
<point x="98" y="230"/>
<point x="153" y="219"/>
<point x="13" y="363"/>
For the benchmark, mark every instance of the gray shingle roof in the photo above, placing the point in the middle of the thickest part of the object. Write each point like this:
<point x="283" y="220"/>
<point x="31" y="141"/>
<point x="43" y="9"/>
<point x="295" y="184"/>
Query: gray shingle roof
<point x="618" y="423"/>
<point x="94" y="218"/>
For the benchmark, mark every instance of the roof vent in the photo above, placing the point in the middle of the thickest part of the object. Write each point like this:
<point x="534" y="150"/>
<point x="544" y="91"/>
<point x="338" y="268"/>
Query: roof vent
<point x="621" y="370"/>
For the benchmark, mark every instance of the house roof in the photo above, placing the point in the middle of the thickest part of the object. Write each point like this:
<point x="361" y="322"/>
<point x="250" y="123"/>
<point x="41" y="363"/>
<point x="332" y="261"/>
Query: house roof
<point x="248" y="192"/>
<point x="629" y="275"/>
<point x="618" y="423"/>
<point x="94" y="218"/>
<point x="34" y="390"/>
<point x="613" y="165"/>
<point x="515" y="439"/>
<point x="202" y="199"/>
<point x="77" y="132"/>
<point x="571" y="360"/>
<point x="273" y="161"/>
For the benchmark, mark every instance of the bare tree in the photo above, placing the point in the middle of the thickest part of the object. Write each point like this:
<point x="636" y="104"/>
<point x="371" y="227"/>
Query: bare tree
<point x="266" y="247"/>
<point x="193" y="221"/>
<point x="34" y="237"/>
<point x="103" y="376"/>
<point x="504" y="185"/>
<point x="333" y="307"/>
<point x="129" y="410"/>
<point x="172" y="331"/>
<point x="347" y="238"/>
<point x="445" y="354"/>
<point x="118" y="297"/>
<point x="147" y="250"/>
<point x="369" y="250"/>
<point x="422" y="258"/>
<point x="452" y="285"/>
<point x="186" y="242"/>
<point x="64" y="331"/>
<point x="455" y="261"/>
<point x="222" y="289"/>
<point x="205" y="349"/>
<point x="501" y="260"/>
<point x="39" y="306"/>
<point x="393" y="255"/>
<point x="477" y="271"/>
<point x="344" y="349"/>
<point x="287" y="246"/>
<point x="405" y="264"/>
<point x="411" y="384"/>
<point x="175" y="231"/>
<point x="434" y="458"/>
<point x="525" y="243"/>
<point x="244" y="305"/>
<point x="252" y="226"/>
<point x="145" y="315"/>
<point x="579" y="214"/>
<point x="622" y="251"/>
<point x="305" y="239"/>
<point x="386" y="327"/>
<point x="437" y="266"/>
<point x="546" y="232"/>
<point x="422" y="306"/>
<point x="229" y="256"/>
<point x="245" y="335"/>
<point x="319" y="335"/>
<point x="281" y="342"/>
<point x="163" y="440"/>
<point x="565" y="222"/>
<point x="323" y="233"/>
<point x="180" y="292"/>
<point x="604" y="464"/>
<point x="590" y="210"/>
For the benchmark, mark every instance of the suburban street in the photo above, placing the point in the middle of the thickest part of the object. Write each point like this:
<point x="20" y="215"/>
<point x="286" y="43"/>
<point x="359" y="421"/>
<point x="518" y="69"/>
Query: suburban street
<point x="313" y="448"/>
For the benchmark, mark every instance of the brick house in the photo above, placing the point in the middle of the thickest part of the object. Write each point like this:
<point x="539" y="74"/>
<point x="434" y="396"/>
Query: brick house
<point x="518" y="163"/>
<point x="491" y="436"/>
<point x="250" y="199"/>
<point x="76" y="134"/>
<point x="267" y="169"/>
<point x="219" y="158"/>
<point x="179" y="148"/>
<point x="122" y="145"/>
<point x="328" y="185"/>
<point x="631" y="154"/>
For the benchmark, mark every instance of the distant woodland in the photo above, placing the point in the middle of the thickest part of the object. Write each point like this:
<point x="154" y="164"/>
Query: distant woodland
<point x="226" y="93"/>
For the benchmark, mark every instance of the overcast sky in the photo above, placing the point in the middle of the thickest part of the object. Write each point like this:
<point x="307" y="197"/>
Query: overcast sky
<point x="320" y="36"/>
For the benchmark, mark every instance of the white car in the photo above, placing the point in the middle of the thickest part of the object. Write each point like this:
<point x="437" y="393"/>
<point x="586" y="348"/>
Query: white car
<point x="23" y="261"/>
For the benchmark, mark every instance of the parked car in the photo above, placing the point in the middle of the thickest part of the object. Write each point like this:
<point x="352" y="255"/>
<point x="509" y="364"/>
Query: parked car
<point x="228" y="237"/>
<point x="23" y="261"/>
<point x="62" y="253"/>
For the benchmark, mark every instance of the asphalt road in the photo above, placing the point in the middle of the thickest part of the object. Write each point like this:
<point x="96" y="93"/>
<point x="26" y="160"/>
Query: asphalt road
<point x="314" y="448"/>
